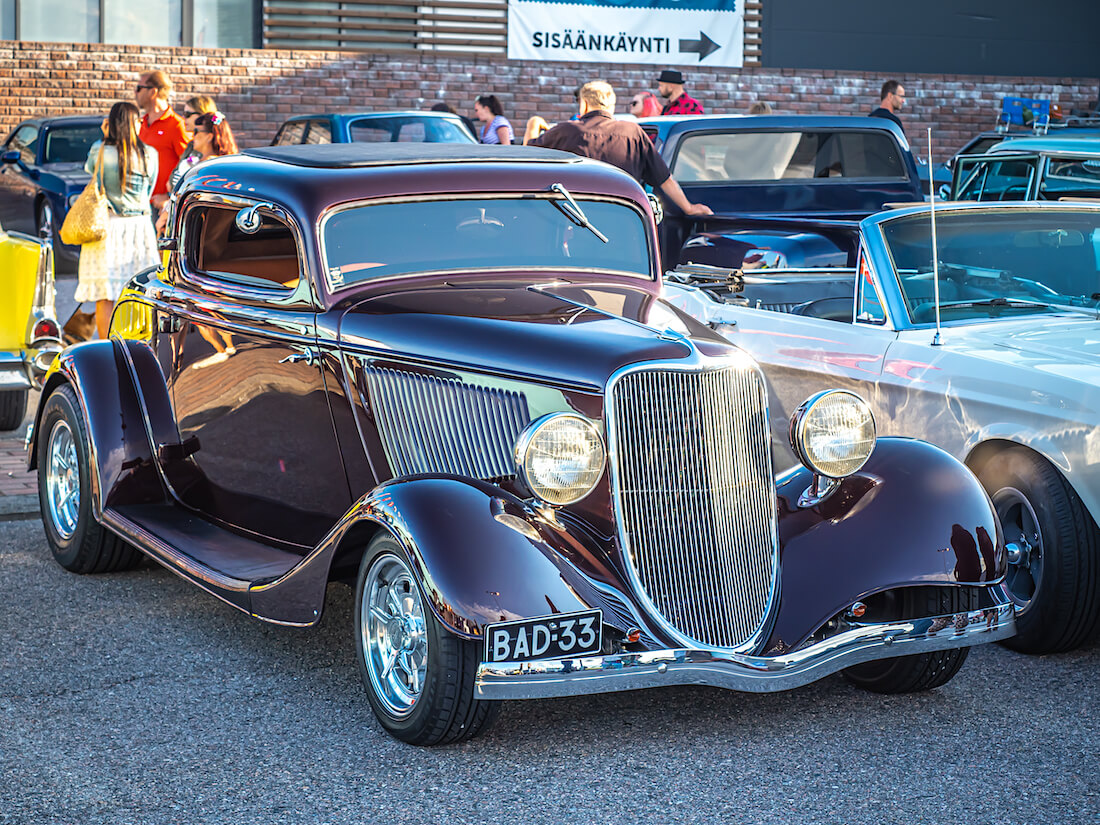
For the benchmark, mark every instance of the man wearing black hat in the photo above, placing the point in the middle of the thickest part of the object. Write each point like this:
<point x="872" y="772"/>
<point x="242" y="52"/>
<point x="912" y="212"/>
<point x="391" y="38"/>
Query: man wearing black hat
<point x="671" y="85"/>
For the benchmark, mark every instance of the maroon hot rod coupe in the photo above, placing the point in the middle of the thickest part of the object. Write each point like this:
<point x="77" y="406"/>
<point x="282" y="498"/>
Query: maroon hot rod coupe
<point x="442" y="374"/>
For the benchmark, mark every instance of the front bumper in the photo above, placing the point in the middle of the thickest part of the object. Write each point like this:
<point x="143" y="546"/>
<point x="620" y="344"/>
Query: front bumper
<point x="750" y="674"/>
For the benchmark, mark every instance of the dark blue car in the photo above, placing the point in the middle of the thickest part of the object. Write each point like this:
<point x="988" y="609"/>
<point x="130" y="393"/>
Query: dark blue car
<point x="786" y="190"/>
<point x="42" y="173"/>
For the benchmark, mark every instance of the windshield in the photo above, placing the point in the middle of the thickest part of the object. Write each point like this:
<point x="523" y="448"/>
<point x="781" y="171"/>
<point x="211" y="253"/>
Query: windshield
<point x="70" y="145"/>
<point x="997" y="263"/>
<point x="382" y="240"/>
<point x="771" y="156"/>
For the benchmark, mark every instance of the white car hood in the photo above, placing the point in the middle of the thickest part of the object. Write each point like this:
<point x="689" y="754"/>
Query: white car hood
<point x="1066" y="345"/>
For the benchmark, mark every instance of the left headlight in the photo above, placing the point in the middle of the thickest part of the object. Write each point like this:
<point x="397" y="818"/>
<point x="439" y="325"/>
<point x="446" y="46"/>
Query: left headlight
<point x="72" y="199"/>
<point x="560" y="457"/>
<point x="833" y="433"/>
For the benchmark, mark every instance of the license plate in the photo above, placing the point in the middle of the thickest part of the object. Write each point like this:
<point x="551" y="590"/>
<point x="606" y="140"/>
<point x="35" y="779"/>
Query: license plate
<point x="547" y="637"/>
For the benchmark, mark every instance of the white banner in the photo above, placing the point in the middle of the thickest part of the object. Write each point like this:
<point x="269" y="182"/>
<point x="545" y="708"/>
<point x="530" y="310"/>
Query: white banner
<point x="661" y="32"/>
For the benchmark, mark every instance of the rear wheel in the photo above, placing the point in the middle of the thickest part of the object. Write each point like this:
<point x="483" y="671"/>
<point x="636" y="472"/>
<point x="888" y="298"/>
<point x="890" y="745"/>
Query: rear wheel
<point x="78" y="542"/>
<point x="920" y="671"/>
<point x="419" y="677"/>
<point x="1053" y="548"/>
<point x="13" y="406"/>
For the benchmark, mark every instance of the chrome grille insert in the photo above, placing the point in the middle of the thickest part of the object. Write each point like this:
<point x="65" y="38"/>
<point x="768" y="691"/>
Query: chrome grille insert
<point x="692" y="479"/>
<point x="431" y="424"/>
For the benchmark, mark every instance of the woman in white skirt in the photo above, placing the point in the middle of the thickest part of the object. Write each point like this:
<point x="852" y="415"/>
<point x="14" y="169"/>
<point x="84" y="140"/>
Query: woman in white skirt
<point x="129" y="169"/>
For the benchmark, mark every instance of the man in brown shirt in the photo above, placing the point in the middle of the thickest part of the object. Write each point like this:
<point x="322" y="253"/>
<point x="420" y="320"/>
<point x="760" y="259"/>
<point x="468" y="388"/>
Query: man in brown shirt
<point x="621" y="143"/>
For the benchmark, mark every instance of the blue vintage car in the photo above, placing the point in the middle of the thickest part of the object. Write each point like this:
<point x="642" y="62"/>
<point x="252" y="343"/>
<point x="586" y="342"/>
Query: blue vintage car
<point x="758" y="173"/>
<point x="42" y="172"/>
<point x="374" y="127"/>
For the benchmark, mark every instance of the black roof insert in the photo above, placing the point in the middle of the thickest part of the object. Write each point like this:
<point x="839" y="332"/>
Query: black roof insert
<point x="353" y="155"/>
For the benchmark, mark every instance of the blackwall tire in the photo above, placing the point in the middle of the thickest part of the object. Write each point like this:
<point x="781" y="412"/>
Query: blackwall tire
<point x="78" y="542"/>
<point x="13" y="407"/>
<point x="919" y="671"/>
<point x="1054" y="552"/>
<point x="419" y="677"/>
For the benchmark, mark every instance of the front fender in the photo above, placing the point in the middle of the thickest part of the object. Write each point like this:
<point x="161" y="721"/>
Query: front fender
<point x="482" y="556"/>
<point x="914" y="515"/>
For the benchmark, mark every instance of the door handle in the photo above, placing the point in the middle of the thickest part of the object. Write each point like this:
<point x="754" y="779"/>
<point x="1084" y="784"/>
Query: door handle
<point x="309" y="356"/>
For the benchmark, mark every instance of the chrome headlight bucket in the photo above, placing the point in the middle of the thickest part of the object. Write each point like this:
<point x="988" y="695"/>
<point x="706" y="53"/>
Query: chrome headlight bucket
<point x="833" y="433"/>
<point x="560" y="457"/>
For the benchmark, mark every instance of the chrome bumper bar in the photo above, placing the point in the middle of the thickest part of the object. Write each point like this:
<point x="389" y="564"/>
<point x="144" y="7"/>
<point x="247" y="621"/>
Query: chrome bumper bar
<point x="17" y="372"/>
<point x="752" y="674"/>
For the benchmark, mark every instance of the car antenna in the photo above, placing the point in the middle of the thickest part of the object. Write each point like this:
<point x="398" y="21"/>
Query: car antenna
<point x="935" y="247"/>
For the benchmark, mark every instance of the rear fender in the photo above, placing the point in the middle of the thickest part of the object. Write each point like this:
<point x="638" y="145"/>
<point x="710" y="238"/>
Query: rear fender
<point x="914" y="515"/>
<point x="125" y="406"/>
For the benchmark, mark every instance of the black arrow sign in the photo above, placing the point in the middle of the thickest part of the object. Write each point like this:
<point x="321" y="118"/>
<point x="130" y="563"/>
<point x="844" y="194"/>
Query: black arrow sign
<point x="703" y="46"/>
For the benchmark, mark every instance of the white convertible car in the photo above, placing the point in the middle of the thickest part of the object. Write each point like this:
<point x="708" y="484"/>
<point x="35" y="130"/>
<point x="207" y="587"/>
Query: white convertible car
<point x="993" y="354"/>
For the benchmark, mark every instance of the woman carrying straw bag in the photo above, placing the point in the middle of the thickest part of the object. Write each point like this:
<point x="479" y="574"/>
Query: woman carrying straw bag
<point x="128" y="169"/>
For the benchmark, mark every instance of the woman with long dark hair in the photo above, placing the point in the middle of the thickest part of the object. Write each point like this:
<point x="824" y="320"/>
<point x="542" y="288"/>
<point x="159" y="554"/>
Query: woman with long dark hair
<point x="128" y="169"/>
<point x="495" y="126"/>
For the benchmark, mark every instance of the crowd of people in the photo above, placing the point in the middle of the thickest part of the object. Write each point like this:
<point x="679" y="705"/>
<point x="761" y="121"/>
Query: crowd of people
<point x="147" y="147"/>
<point x="145" y="150"/>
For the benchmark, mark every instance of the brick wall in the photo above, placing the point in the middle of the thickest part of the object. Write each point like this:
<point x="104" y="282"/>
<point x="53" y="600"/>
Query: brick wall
<point x="258" y="88"/>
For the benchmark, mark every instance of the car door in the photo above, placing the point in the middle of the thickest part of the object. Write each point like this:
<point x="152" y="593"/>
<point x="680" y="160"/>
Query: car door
<point x="247" y="382"/>
<point x="17" y="187"/>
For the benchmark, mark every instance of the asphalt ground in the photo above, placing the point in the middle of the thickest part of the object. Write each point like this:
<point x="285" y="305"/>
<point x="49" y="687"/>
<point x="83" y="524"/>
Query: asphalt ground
<point x="136" y="698"/>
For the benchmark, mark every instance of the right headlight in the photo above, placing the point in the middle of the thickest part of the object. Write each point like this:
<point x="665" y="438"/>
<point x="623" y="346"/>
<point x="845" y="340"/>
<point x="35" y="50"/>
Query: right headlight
<point x="560" y="457"/>
<point x="833" y="433"/>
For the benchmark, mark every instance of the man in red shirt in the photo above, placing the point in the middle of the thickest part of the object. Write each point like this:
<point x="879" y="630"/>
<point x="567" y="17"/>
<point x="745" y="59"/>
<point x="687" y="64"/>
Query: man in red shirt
<point x="671" y="85"/>
<point x="161" y="128"/>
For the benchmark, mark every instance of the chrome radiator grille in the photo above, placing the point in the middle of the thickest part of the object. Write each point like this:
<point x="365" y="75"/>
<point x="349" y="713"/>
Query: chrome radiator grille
<point x="442" y="425"/>
<point x="692" y="477"/>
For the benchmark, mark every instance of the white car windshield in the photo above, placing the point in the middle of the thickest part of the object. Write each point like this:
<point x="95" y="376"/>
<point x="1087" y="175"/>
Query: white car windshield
<point x="997" y="263"/>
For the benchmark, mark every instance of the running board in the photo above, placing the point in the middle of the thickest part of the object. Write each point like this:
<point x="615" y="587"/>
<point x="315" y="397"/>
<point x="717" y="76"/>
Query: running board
<point x="222" y="563"/>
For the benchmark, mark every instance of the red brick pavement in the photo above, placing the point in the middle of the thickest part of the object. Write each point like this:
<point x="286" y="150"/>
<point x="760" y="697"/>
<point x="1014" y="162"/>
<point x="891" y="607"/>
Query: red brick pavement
<point x="14" y="478"/>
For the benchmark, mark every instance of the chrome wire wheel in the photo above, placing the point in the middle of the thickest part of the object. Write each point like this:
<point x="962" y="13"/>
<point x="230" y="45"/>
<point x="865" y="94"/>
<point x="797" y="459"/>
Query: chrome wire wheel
<point x="63" y="480"/>
<point x="393" y="634"/>
<point x="1023" y="545"/>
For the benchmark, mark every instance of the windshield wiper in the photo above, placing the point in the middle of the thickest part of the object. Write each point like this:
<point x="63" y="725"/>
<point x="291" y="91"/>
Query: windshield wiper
<point x="995" y="302"/>
<point x="572" y="210"/>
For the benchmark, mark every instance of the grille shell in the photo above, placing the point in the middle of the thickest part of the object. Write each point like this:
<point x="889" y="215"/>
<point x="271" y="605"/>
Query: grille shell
<point x="690" y="458"/>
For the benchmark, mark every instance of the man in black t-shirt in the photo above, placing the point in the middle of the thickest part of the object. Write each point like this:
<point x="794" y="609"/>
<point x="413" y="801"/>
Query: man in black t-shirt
<point x="622" y="143"/>
<point x="891" y="101"/>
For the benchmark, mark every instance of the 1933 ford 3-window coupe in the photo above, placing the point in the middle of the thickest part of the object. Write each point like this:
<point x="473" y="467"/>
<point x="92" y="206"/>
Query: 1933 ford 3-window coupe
<point x="443" y="374"/>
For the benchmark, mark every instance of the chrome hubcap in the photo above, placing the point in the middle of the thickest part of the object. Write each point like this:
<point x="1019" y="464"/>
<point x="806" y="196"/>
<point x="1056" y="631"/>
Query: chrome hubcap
<point x="62" y="480"/>
<point x="1023" y="543"/>
<point x="393" y="634"/>
<point x="46" y="217"/>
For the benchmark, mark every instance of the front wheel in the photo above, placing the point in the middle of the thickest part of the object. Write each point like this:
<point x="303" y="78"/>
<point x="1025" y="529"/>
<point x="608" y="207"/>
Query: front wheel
<point x="1053" y="548"/>
<point x="418" y="676"/>
<point x="78" y="542"/>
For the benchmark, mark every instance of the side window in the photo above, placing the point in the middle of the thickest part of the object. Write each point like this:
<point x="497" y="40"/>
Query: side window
<point x="25" y="140"/>
<point x="319" y="132"/>
<point x="869" y="307"/>
<point x="214" y="246"/>
<point x="291" y="133"/>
